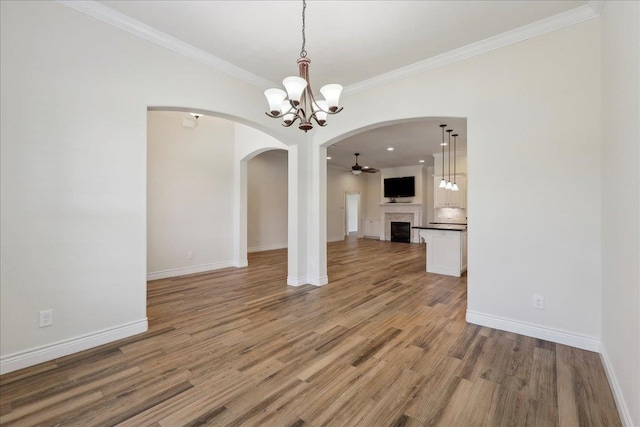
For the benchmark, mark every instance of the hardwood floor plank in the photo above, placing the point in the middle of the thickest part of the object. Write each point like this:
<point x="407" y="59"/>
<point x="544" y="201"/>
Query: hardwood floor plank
<point x="543" y="386"/>
<point x="383" y="344"/>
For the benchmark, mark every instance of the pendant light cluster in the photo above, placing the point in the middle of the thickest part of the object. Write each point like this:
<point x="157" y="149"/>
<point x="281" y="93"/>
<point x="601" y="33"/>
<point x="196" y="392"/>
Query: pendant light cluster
<point x="298" y="102"/>
<point x="447" y="184"/>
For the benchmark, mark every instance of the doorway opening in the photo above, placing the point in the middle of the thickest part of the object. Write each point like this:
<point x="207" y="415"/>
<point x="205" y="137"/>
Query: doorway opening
<point x="352" y="213"/>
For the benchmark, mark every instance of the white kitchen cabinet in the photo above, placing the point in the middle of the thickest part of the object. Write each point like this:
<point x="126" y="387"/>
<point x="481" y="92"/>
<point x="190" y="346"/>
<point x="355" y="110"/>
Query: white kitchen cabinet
<point x="371" y="227"/>
<point x="444" y="198"/>
<point x="446" y="250"/>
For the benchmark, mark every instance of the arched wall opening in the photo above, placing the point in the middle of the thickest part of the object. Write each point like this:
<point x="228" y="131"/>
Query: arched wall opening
<point x="413" y="138"/>
<point x="267" y="204"/>
<point x="197" y="191"/>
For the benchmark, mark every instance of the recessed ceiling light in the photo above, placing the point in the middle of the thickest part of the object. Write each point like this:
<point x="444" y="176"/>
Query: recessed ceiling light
<point x="365" y="167"/>
<point x="328" y="157"/>
<point x="390" y="149"/>
<point x="421" y="161"/>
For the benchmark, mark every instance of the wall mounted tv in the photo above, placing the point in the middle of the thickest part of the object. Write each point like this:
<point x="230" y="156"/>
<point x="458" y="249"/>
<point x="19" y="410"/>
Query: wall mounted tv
<point x="400" y="187"/>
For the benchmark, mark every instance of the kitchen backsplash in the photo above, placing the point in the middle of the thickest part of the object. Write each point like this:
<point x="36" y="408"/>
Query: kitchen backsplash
<point x="451" y="215"/>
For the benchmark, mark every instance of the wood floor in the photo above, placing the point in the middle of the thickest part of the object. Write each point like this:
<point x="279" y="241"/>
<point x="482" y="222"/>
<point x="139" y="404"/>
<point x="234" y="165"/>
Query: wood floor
<point x="384" y="344"/>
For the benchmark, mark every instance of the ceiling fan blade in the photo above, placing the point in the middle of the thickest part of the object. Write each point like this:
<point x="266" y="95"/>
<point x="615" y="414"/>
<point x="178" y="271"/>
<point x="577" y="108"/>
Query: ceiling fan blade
<point x="370" y="170"/>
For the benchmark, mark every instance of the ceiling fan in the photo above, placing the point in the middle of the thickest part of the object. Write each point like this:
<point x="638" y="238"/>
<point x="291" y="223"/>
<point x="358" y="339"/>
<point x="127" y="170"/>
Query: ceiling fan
<point x="357" y="169"/>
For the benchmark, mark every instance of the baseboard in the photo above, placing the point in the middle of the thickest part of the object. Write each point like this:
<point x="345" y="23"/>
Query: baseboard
<point x="240" y="263"/>
<point x="318" y="280"/>
<point x="335" y="239"/>
<point x="183" y="271"/>
<point x="623" y="409"/>
<point x="24" y="359"/>
<point x="315" y="281"/>
<point x="536" y="331"/>
<point x="295" y="281"/>
<point x="267" y="247"/>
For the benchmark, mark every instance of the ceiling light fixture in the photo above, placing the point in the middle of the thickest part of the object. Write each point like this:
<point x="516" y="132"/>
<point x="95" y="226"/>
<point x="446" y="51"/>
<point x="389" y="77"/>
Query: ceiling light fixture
<point x="420" y="161"/>
<point x="454" y="187"/>
<point x="443" y="183"/>
<point x="448" y="185"/>
<point x="357" y="169"/>
<point x="298" y="102"/>
<point x="390" y="149"/>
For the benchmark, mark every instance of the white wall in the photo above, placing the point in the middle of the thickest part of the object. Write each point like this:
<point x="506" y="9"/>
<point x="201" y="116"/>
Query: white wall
<point x="545" y="93"/>
<point x="267" y="201"/>
<point x="73" y="172"/>
<point x="620" y="203"/>
<point x="189" y="194"/>
<point x="372" y="196"/>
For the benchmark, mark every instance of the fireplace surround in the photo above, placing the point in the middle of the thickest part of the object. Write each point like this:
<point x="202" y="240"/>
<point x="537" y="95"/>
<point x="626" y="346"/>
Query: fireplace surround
<point x="400" y="212"/>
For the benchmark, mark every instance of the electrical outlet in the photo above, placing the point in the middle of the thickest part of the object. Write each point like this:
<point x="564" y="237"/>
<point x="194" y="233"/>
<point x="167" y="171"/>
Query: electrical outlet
<point x="46" y="318"/>
<point x="190" y="255"/>
<point x="538" y="302"/>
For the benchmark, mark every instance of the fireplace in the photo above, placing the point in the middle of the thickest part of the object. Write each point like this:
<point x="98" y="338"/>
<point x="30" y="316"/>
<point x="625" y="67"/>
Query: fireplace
<point x="400" y="231"/>
<point x="400" y="212"/>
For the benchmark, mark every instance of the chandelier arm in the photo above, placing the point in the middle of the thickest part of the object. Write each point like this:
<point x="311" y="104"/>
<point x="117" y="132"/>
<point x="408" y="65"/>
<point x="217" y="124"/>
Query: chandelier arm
<point x="295" y="117"/>
<point x="323" y="124"/>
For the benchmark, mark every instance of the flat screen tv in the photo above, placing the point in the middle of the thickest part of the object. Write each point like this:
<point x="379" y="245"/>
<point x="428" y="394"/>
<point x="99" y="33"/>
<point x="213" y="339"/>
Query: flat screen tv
<point x="400" y="187"/>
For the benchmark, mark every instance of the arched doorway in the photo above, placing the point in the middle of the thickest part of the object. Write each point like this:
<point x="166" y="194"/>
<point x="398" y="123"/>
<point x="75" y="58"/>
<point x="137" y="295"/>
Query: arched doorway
<point x="197" y="191"/>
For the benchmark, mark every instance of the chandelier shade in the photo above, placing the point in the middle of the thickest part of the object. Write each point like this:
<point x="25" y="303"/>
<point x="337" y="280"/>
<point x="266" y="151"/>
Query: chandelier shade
<point x="298" y="102"/>
<point x="294" y="86"/>
<point x="275" y="98"/>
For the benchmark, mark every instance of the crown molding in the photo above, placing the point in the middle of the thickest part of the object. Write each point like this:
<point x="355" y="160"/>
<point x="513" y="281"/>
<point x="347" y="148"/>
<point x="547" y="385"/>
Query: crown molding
<point x="135" y="27"/>
<point x="583" y="13"/>
<point x="543" y="26"/>
<point x="596" y="5"/>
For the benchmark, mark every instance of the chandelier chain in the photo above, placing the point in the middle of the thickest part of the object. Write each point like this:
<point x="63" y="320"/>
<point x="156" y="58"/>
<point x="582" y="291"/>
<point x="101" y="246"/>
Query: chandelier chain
<point x="303" y="52"/>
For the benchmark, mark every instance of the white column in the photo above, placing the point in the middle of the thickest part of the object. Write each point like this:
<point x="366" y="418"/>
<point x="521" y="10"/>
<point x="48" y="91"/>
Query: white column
<point x="296" y="274"/>
<point x="240" y="214"/>
<point x="317" y="226"/>
<point x="307" y="215"/>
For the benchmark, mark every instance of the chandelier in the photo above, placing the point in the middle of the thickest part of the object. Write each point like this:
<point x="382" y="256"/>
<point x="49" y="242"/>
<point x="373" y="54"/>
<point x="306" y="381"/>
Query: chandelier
<point x="298" y="102"/>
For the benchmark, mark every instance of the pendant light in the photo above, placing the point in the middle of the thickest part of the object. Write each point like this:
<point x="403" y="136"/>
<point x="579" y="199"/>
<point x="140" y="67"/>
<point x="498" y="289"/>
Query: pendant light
<point x="443" y="183"/>
<point x="448" y="185"/>
<point x="454" y="187"/>
<point x="298" y="102"/>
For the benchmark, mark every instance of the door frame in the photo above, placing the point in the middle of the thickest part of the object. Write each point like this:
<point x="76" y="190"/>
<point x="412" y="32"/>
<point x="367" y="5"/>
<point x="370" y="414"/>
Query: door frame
<point x="345" y="222"/>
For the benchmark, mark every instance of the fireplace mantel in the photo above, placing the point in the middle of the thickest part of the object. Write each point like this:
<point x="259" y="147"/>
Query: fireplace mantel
<point x="409" y="212"/>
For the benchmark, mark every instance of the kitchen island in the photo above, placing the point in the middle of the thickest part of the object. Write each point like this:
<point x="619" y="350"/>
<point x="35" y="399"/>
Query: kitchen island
<point x="446" y="248"/>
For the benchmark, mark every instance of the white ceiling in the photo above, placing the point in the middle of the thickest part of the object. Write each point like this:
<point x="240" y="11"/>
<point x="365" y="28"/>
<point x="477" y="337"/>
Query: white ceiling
<point x="348" y="42"/>
<point x="412" y="141"/>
